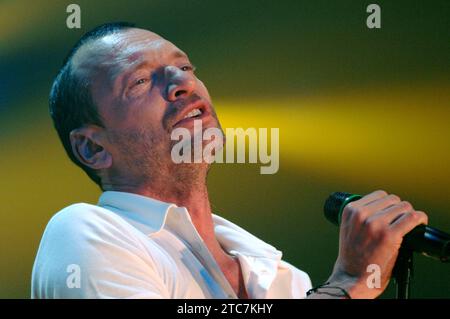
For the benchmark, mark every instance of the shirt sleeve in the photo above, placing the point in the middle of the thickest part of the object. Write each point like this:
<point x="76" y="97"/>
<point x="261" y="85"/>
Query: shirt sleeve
<point x="86" y="252"/>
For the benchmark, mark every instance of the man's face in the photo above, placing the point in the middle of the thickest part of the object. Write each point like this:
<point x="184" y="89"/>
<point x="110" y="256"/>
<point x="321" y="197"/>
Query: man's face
<point x="145" y="91"/>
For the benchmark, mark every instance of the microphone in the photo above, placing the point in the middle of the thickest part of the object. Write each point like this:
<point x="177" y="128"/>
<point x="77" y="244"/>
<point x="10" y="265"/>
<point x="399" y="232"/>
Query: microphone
<point x="426" y="240"/>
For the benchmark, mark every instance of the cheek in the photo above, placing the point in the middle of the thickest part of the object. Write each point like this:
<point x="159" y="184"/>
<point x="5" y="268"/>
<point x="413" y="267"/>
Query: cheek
<point x="203" y="90"/>
<point x="145" y="112"/>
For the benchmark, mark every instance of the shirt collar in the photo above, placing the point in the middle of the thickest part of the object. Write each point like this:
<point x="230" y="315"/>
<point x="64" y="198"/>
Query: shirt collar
<point x="145" y="213"/>
<point x="235" y="240"/>
<point x="149" y="216"/>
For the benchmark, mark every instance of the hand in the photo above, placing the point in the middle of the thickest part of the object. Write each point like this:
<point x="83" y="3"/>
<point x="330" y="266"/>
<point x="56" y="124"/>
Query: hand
<point x="371" y="232"/>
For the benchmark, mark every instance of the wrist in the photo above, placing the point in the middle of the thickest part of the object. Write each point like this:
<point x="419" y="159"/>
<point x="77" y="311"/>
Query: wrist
<point x="356" y="287"/>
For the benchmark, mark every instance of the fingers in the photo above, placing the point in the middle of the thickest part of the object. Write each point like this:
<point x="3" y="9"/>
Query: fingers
<point x="384" y="210"/>
<point x="382" y="203"/>
<point x="369" y="205"/>
<point x="390" y="214"/>
<point x="371" y="197"/>
<point x="408" y="221"/>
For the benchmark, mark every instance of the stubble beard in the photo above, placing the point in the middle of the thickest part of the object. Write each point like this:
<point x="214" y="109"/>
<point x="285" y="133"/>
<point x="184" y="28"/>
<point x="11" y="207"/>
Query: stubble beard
<point x="147" y="163"/>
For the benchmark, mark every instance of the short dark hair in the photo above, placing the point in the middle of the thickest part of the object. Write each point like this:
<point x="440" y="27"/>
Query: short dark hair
<point x="71" y="104"/>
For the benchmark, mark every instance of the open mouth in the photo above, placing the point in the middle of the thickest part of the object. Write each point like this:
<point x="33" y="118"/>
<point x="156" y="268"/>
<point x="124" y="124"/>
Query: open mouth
<point x="193" y="112"/>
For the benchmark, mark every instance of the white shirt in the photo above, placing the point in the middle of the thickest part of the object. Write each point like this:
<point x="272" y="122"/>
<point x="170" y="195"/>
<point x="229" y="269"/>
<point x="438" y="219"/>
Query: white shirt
<point x="132" y="246"/>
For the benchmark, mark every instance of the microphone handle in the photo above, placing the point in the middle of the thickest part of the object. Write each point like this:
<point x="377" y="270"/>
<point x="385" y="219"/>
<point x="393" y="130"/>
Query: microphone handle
<point x="428" y="241"/>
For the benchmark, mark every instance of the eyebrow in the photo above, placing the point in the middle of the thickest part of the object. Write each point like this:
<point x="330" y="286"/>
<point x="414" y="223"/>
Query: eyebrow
<point x="179" y="54"/>
<point x="141" y="65"/>
<point x="144" y="64"/>
<point x="175" y="55"/>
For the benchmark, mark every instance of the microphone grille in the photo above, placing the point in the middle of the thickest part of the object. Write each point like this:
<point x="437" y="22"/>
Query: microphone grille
<point x="333" y="206"/>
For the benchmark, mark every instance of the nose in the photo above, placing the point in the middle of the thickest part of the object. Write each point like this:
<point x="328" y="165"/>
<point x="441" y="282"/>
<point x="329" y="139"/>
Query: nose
<point x="180" y="84"/>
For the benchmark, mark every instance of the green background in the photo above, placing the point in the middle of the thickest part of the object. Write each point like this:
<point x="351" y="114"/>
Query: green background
<point x="358" y="110"/>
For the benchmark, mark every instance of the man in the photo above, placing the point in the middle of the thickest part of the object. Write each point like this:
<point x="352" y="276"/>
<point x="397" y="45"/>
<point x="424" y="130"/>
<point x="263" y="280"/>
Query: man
<point x="119" y="95"/>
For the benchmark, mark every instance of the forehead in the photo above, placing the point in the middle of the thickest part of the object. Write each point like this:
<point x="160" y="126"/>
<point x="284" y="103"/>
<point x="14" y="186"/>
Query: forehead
<point x="135" y="46"/>
<point x="113" y="54"/>
<point x="127" y="44"/>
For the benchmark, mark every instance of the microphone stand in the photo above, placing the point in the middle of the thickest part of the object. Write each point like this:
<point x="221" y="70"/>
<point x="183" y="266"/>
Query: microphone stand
<point x="403" y="272"/>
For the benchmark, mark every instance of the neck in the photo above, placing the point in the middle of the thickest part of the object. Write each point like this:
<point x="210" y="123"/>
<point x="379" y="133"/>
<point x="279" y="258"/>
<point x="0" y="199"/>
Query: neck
<point x="184" y="190"/>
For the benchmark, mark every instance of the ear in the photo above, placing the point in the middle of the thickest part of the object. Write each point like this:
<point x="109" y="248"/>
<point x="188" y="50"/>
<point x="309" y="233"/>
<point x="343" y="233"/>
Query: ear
<point x="88" y="147"/>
